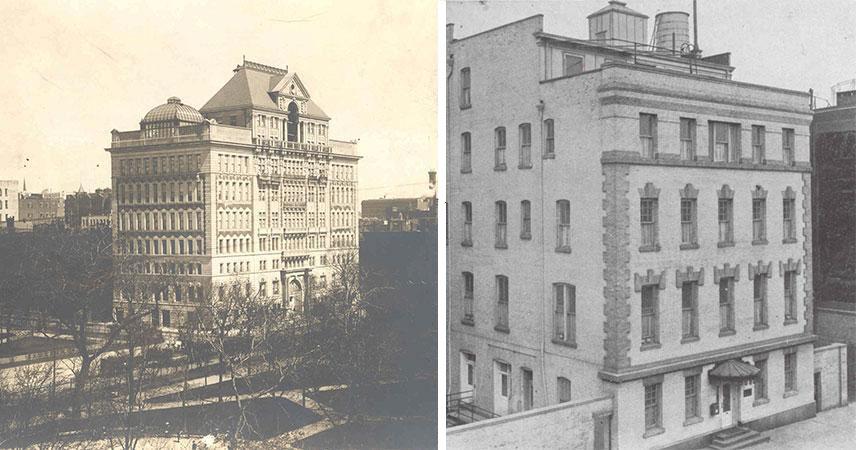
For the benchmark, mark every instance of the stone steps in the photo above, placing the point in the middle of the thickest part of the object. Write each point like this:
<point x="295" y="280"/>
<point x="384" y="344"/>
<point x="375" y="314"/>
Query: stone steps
<point x="736" y="438"/>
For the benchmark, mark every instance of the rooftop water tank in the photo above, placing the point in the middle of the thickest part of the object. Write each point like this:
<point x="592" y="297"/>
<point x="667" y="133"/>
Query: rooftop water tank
<point x="671" y="31"/>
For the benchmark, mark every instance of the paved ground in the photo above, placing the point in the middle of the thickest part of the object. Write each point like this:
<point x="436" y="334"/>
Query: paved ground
<point x="831" y="429"/>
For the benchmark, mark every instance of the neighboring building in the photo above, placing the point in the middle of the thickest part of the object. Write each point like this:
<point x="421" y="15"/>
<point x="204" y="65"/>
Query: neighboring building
<point x="8" y="201"/>
<point x="42" y="208"/>
<point x="401" y="214"/>
<point x="95" y="221"/>
<point x="82" y="204"/>
<point x="834" y="216"/>
<point x="267" y="200"/>
<point x="626" y="221"/>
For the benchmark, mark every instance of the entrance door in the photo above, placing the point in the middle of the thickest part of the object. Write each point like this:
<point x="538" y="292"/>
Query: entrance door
<point x="725" y="405"/>
<point x="501" y="387"/>
<point x="817" y="391"/>
<point x="468" y="376"/>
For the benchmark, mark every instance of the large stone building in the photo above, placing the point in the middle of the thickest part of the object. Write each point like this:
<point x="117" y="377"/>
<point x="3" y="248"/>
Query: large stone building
<point x="626" y="221"/>
<point x="834" y="197"/>
<point x="8" y="201"/>
<point x="250" y="189"/>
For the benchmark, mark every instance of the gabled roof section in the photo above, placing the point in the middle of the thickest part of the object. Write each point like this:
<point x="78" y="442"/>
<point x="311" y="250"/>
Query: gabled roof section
<point x="256" y="86"/>
<point x="284" y="87"/>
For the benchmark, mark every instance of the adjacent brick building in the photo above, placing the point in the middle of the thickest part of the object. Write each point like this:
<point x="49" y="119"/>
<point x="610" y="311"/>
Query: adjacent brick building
<point x="249" y="189"/>
<point x="626" y="221"/>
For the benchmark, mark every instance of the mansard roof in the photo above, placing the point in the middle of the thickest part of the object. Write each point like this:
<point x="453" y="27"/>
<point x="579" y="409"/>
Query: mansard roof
<point x="257" y="86"/>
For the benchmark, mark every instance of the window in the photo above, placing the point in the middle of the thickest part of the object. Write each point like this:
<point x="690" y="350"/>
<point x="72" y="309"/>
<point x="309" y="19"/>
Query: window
<point x="468" y="224"/>
<point x="790" y="296"/>
<point x="648" y="220"/>
<point x="499" y="145"/>
<point x="501" y="224"/>
<point x="689" y="310"/>
<point x="688" y="139"/>
<point x="726" y="229"/>
<point x="650" y="315"/>
<point x="788" y="146"/>
<point x="504" y="372"/>
<point x="760" y="300"/>
<point x="688" y="222"/>
<point x="790" y="371"/>
<point x="758" y="138"/>
<point x="759" y="219"/>
<point x="470" y="361"/>
<point x="525" y="132"/>
<point x="565" y="317"/>
<point x="691" y="396"/>
<point x="726" y="305"/>
<point x="571" y="64"/>
<point x="502" y="303"/>
<point x="653" y="393"/>
<point x="549" y="139"/>
<point x="468" y="298"/>
<point x="466" y="153"/>
<point x="788" y="224"/>
<point x="648" y="134"/>
<point x="465" y="88"/>
<point x="724" y="141"/>
<point x="761" y="379"/>
<point x="525" y="220"/>
<point x="528" y="389"/>
<point x="563" y="226"/>
<point x="563" y="386"/>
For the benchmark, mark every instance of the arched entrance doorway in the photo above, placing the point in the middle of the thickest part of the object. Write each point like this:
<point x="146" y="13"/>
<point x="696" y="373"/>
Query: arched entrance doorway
<point x="295" y="295"/>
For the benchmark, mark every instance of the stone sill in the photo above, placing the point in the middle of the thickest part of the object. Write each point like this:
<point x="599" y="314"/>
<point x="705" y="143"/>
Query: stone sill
<point x="649" y="346"/>
<point x="693" y="246"/>
<point x="760" y="242"/>
<point x="502" y="329"/>
<point x="790" y="321"/>
<point x="649" y="248"/>
<point x="466" y="243"/>
<point x="500" y="167"/>
<point x="723" y="333"/>
<point x="790" y="394"/>
<point x="524" y="166"/>
<point x="526" y="236"/>
<point x="565" y="343"/>
<point x="761" y="401"/>
<point x="693" y="421"/>
<point x="549" y="156"/>
<point x="466" y="170"/>
<point x="653" y="432"/>
<point x="501" y="246"/>
<point x="760" y="326"/>
<point x="468" y="321"/>
<point x="789" y="241"/>
<point x="564" y="249"/>
<point x="689" y="339"/>
<point x="725" y="244"/>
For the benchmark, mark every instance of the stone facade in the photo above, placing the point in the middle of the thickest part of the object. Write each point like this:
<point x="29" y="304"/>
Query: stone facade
<point x="622" y="117"/>
<point x="266" y="203"/>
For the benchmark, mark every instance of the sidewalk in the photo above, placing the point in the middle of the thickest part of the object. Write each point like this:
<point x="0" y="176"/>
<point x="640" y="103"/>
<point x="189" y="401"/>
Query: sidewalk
<point x="832" y="429"/>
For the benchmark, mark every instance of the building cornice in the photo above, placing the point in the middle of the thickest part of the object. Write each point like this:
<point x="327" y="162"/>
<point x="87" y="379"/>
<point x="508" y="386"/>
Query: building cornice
<point x="632" y="373"/>
<point x="610" y="157"/>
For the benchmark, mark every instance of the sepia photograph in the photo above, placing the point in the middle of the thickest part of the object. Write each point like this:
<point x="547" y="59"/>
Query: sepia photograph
<point x="651" y="225"/>
<point x="218" y="225"/>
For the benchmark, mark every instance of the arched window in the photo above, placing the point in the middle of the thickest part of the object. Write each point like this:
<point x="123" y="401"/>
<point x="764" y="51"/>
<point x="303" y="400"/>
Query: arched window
<point x="563" y="226"/>
<point x="565" y="314"/>
<point x="499" y="145"/>
<point x="501" y="225"/>
<point x="467" y="239"/>
<point x="563" y="385"/>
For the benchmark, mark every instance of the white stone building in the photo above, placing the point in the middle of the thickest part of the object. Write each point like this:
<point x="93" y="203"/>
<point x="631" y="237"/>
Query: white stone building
<point x="625" y="221"/>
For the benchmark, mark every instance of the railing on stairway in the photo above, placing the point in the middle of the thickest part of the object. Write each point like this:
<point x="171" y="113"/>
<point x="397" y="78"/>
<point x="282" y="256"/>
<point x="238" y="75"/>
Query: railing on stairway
<point x="461" y="408"/>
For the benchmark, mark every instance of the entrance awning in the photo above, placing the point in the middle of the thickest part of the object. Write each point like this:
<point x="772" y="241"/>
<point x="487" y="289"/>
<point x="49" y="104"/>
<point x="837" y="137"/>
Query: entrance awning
<point x="733" y="370"/>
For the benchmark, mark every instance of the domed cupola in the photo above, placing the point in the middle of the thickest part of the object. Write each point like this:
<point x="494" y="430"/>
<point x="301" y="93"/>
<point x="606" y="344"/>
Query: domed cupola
<point x="163" y="119"/>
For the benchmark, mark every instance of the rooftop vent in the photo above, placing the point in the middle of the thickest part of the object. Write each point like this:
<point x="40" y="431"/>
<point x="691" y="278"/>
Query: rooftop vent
<point x="616" y="24"/>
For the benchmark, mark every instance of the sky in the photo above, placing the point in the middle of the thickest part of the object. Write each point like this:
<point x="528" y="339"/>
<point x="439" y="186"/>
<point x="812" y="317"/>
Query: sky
<point x="74" y="70"/>
<point x="793" y="44"/>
